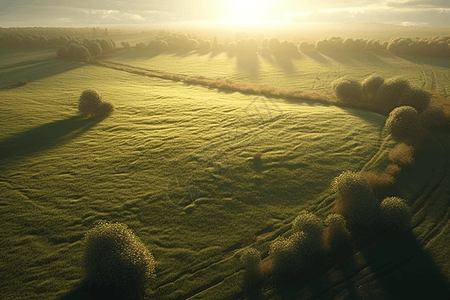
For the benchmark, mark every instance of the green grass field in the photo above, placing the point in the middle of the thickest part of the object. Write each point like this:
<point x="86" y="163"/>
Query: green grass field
<point x="175" y="163"/>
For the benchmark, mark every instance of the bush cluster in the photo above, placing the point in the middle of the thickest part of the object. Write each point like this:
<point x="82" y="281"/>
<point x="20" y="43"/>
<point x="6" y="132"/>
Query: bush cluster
<point x="91" y="104"/>
<point x="85" y="50"/>
<point x="438" y="46"/>
<point x="116" y="261"/>
<point x="379" y="95"/>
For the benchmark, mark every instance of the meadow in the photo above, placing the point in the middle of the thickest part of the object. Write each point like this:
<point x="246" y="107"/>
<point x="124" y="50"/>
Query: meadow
<point x="200" y="173"/>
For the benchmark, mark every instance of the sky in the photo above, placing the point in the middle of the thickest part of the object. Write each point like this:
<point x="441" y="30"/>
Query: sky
<point x="81" y="13"/>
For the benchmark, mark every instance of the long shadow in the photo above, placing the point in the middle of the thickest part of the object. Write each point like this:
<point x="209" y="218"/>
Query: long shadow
<point x="317" y="56"/>
<point x="404" y="270"/>
<point x="37" y="71"/>
<point x="248" y="63"/>
<point x="45" y="136"/>
<point x="433" y="61"/>
<point x="285" y="63"/>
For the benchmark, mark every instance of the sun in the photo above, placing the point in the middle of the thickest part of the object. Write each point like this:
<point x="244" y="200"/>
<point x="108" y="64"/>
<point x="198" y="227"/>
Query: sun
<point x="246" y="11"/>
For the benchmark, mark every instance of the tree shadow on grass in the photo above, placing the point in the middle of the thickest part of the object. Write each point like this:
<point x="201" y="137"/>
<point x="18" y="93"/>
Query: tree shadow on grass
<point x="45" y="136"/>
<point x="36" y="71"/>
<point x="389" y="268"/>
<point x="404" y="270"/>
<point x="317" y="56"/>
<point x="248" y="63"/>
<point x="431" y="61"/>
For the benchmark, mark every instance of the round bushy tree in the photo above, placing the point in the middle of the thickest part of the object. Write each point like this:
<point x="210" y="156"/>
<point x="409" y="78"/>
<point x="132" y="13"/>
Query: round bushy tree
<point x="251" y="258"/>
<point x="403" y="122"/>
<point x="396" y="215"/>
<point x="347" y="90"/>
<point x="417" y="98"/>
<point x="116" y="261"/>
<point x="313" y="227"/>
<point x="370" y="87"/>
<point x="390" y="93"/>
<point x="336" y="236"/>
<point x="434" y="118"/>
<point x="95" y="49"/>
<point x="89" y="102"/>
<point x="282" y="251"/>
<point x="356" y="201"/>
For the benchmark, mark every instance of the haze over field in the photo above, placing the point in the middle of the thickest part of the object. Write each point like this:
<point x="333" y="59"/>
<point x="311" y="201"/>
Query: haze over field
<point x="87" y="13"/>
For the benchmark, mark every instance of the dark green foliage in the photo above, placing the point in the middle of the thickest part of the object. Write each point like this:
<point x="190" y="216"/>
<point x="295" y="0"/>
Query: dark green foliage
<point x="417" y="98"/>
<point x="356" y="201"/>
<point x="390" y="93"/>
<point x="95" y="49"/>
<point x="336" y="237"/>
<point x="251" y="258"/>
<point x="313" y="227"/>
<point x="107" y="46"/>
<point x="104" y="110"/>
<point x="396" y="215"/>
<point x="434" y="118"/>
<point x="288" y="254"/>
<point x="78" y="52"/>
<point x="347" y="90"/>
<point x="403" y="122"/>
<point x="370" y="87"/>
<point x="90" y="103"/>
<point x="62" y="52"/>
<point x="117" y="261"/>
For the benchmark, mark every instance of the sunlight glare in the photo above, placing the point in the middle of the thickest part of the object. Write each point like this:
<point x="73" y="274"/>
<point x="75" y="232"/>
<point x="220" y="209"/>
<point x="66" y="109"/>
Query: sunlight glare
<point x="246" y="11"/>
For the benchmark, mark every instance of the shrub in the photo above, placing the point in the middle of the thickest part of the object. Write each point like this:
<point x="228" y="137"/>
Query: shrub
<point x="336" y="236"/>
<point x="313" y="227"/>
<point x="390" y="93"/>
<point x="402" y="155"/>
<point x="104" y="110"/>
<point x="396" y="215"/>
<point x="251" y="258"/>
<point x="107" y="46"/>
<point x="90" y="103"/>
<point x="434" y="118"/>
<point x="347" y="90"/>
<point x="78" y="52"/>
<point x="356" y="201"/>
<point x="95" y="49"/>
<point x="417" y="98"/>
<point x="282" y="251"/>
<point x="370" y="86"/>
<point x="403" y="122"/>
<point x="117" y="261"/>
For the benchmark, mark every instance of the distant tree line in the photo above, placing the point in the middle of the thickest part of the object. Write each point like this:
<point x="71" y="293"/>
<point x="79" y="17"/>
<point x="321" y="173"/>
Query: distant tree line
<point x="438" y="46"/>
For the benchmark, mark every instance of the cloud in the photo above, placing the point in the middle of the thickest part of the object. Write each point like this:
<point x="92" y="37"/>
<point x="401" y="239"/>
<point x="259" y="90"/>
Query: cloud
<point x="398" y="12"/>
